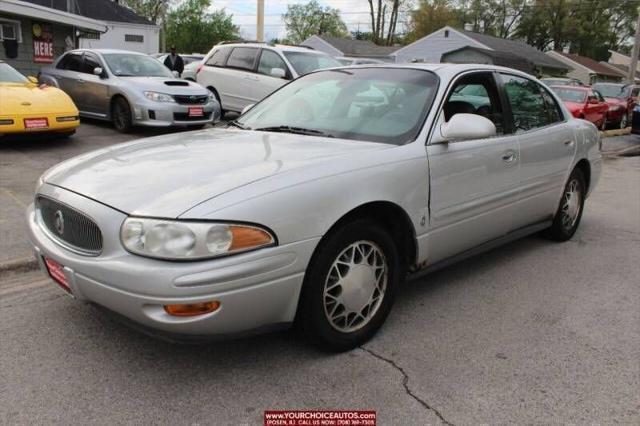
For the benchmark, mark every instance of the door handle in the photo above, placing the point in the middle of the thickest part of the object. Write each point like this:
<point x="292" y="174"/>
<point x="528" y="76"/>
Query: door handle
<point x="508" y="157"/>
<point x="569" y="142"/>
<point x="80" y="80"/>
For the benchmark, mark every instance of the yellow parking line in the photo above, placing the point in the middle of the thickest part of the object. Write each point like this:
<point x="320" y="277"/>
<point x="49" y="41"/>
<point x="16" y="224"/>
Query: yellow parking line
<point x="13" y="196"/>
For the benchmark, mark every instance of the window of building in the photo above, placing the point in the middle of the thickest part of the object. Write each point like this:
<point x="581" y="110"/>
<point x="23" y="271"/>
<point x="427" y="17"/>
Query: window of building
<point x="134" y="38"/>
<point x="10" y="30"/>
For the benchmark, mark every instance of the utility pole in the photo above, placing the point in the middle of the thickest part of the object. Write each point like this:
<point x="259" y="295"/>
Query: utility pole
<point x="635" y="52"/>
<point x="260" y="30"/>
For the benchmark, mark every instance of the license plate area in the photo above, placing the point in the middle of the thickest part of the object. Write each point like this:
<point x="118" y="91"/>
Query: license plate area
<point x="36" y="123"/>
<point x="196" y="112"/>
<point x="56" y="272"/>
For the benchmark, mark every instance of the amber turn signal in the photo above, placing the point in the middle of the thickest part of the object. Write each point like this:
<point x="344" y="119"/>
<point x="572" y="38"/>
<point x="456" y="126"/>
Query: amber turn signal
<point x="192" y="309"/>
<point x="246" y="237"/>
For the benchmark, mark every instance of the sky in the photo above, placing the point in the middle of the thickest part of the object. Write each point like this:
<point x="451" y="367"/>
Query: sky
<point x="355" y="13"/>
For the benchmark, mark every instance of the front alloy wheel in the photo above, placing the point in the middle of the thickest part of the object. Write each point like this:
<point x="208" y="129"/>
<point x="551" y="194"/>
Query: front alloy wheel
<point x="349" y="286"/>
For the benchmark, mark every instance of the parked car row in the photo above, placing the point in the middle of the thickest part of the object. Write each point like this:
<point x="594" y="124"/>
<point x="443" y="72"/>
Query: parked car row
<point x="603" y="104"/>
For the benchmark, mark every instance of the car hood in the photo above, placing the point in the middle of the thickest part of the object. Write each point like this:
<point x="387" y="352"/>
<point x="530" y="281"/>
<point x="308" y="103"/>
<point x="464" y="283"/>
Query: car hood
<point x="171" y="86"/>
<point x="167" y="175"/>
<point x="27" y="99"/>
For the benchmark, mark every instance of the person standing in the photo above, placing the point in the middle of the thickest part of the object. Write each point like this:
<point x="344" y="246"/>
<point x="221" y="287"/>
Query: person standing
<point x="174" y="61"/>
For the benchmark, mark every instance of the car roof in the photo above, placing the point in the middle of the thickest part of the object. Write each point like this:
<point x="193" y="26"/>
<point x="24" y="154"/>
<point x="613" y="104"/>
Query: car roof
<point x="103" y="51"/>
<point x="580" y="88"/>
<point x="283" y="47"/>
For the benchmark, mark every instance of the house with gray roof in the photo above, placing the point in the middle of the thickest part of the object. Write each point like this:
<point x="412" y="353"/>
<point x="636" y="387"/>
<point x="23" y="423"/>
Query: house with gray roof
<point x="125" y="28"/>
<point x="350" y="48"/>
<point x="476" y="55"/>
<point x="448" y="39"/>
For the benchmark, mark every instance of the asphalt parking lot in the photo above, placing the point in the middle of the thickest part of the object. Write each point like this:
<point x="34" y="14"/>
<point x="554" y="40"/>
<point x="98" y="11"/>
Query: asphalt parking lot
<point x="532" y="332"/>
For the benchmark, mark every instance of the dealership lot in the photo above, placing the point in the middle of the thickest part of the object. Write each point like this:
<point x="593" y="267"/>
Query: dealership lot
<point x="533" y="332"/>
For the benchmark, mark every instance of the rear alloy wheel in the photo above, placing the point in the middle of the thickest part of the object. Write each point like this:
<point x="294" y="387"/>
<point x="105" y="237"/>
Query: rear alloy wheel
<point x="349" y="286"/>
<point x="121" y="115"/>
<point x="567" y="218"/>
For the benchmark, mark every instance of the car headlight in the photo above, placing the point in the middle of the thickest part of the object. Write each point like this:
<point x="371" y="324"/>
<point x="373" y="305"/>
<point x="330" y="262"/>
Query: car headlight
<point x="159" y="97"/>
<point x="186" y="240"/>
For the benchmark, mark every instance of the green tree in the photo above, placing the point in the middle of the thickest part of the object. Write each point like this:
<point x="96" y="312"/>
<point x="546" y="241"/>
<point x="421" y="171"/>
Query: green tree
<point x="192" y="28"/>
<point x="153" y="10"/>
<point x="304" y="20"/>
<point x="431" y="15"/>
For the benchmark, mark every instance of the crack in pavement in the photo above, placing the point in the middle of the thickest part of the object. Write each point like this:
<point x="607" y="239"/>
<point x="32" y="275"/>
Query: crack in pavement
<point x="405" y="384"/>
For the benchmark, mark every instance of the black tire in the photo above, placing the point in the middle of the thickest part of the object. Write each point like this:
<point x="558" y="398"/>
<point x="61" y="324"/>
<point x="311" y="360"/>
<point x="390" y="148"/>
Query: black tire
<point x="624" y="121"/>
<point x="121" y="115"/>
<point x="215" y="93"/>
<point x="65" y="135"/>
<point x="564" y="224"/>
<point x="313" y="316"/>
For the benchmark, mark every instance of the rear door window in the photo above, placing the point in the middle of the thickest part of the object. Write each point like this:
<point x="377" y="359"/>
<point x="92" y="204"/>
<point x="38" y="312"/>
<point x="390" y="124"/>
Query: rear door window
<point x="70" y="62"/>
<point x="243" y="58"/>
<point x="218" y="57"/>
<point x="530" y="104"/>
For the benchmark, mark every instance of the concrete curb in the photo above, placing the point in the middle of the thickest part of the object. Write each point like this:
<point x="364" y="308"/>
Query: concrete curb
<point x="616" y="132"/>
<point x="19" y="265"/>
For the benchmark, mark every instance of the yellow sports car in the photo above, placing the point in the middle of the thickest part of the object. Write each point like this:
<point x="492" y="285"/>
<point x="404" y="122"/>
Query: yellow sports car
<point x="27" y="107"/>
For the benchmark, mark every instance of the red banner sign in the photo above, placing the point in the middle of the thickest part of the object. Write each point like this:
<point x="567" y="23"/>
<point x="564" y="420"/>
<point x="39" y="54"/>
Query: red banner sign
<point x="42" y="43"/>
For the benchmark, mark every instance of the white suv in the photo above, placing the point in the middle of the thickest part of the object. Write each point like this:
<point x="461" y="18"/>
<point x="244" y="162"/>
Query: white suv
<point x="242" y="73"/>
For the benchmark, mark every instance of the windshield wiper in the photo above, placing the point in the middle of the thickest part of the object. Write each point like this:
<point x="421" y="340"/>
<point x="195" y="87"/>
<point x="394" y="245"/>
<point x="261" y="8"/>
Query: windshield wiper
<point x="295" y="130"/>
<point x="236" y="123"/>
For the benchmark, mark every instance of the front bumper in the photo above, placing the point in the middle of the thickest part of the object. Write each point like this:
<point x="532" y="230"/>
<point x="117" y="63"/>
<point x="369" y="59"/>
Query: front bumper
<point x="168" y="114"/>
<point x="257" y="290"/>
<point x="17" y="125"/>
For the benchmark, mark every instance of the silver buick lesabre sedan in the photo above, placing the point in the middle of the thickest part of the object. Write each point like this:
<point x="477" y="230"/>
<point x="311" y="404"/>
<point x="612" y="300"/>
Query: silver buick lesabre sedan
<point x="316" y="204"/>
<point x="130" y="89"/>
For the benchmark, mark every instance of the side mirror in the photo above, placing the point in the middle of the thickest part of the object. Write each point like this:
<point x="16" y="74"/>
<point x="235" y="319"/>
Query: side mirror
<point x="467" y="127"/>
<point x="593" y="100"/>
<point x="247" y="108"/>
<point x="32" y="79"/>
<point x="176" y="74"/>
<point x="278" y="72"/>
<point x="98" y="71"/>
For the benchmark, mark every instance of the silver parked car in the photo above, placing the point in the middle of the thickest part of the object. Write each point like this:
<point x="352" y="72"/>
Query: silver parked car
<point x="130" y="89"/>
<point x="317" y="203"/>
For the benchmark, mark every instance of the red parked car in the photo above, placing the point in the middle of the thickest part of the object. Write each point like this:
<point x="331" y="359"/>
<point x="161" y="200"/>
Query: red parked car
<point x="621" y="99"/>
<point x="584" y="102"/>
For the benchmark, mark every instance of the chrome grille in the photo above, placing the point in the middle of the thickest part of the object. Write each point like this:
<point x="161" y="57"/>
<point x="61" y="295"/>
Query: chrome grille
<point x="72" y="228"/>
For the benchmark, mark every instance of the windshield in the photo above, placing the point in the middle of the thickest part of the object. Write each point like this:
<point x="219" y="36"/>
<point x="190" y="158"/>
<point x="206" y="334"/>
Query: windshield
<point x="367" y="104"/>
<point x="9" y="75"/>
<point x="304" y="63"/>
<point x="612" y="90"/>
<point x="570" y="95"/>
<point x="127" y="65"/>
